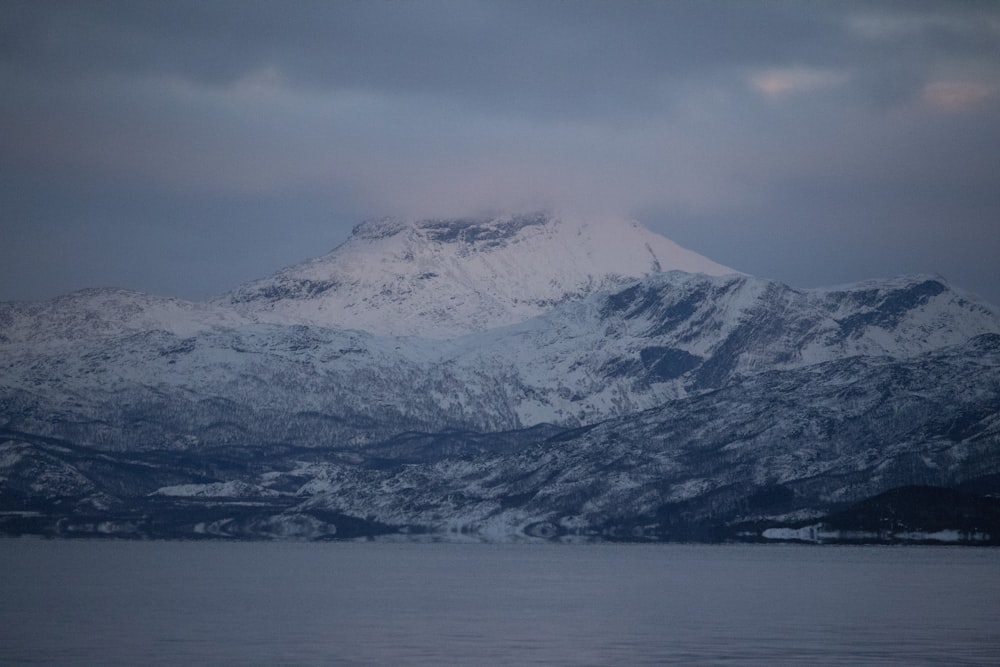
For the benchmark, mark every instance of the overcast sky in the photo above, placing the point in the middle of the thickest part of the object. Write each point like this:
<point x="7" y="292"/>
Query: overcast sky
<point x="182" y="148"/>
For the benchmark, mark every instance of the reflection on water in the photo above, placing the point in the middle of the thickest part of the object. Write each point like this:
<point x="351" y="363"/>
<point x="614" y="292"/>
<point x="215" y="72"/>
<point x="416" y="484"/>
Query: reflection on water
<point x="168" y="603"/>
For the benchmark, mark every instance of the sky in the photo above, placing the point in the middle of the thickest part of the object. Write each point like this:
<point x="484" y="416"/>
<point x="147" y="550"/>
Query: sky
<point x="183" y="148"/>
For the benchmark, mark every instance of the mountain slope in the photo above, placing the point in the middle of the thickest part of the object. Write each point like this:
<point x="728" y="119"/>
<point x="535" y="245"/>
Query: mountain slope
<point x="442" y="278"/>
<point x="606" y="355"/>
<point x="93" y="314"/>
<point x="675" y="334"/>
<point x="770" y="450"/>
<point x="777" y="446"/>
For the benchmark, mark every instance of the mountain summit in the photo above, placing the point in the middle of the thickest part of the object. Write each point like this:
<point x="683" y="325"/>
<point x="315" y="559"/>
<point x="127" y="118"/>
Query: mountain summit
<point x="443" y="278"/>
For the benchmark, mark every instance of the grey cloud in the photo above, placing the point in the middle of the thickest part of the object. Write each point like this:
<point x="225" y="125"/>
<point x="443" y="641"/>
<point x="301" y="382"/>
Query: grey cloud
<point x="535" y="56"/>
<point x="739" y="120"/>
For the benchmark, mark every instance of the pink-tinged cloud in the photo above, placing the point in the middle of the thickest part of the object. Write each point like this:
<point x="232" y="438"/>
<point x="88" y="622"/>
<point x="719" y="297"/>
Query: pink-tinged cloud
<point x="783" y="81"/>
<point x="957" y="96"/>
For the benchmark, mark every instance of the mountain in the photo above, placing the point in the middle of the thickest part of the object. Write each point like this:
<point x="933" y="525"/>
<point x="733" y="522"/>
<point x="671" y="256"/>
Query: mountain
<point x="657" y="404"/>
<point x="767" y="456"/>
<point x="442" y="278"/>
<point x="610" y="354"/>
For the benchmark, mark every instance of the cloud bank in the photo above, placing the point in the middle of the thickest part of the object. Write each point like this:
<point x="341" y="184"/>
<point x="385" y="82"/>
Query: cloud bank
<point x="184" y="147"/>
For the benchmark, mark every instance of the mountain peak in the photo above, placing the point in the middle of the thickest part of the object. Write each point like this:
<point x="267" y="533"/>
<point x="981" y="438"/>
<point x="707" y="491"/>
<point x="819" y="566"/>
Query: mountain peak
<point x="470" y="231"/>
<point x="378" y="228"/>
<point x="441" y="278"/>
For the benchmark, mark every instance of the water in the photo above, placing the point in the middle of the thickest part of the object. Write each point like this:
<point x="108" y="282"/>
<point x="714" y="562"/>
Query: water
<point x="171" y="603"/>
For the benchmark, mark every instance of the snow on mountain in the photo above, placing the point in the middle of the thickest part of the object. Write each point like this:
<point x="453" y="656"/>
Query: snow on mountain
<point x="544" y="377"/>
<point x="674" y="334"/>
<point x="774" y="449"/>
<point x="778" y="444"/>
<point x="108" y="313"/>
<point x="442" y="278"/>
<point x="609" y="354"/>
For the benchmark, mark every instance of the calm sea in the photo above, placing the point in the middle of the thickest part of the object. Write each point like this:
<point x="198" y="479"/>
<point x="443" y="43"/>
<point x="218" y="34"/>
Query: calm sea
<point x="213" y="603"/>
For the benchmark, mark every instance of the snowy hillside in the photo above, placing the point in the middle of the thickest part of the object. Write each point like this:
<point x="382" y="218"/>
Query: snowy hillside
<point x="442" y="278"/>
<point x="675" y="334"/>
<point x="92" y="314"/>
<point x="760" y="457"/>
<point x="605" y="355"/>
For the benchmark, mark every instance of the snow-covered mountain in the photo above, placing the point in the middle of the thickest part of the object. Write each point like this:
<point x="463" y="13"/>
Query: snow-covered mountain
<point x="605" y="355"/>
<point x="442" y="278"/>
<point x="769" y="454"/>
<point x="552" y="354"/>
<point x="782" y="447"/>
